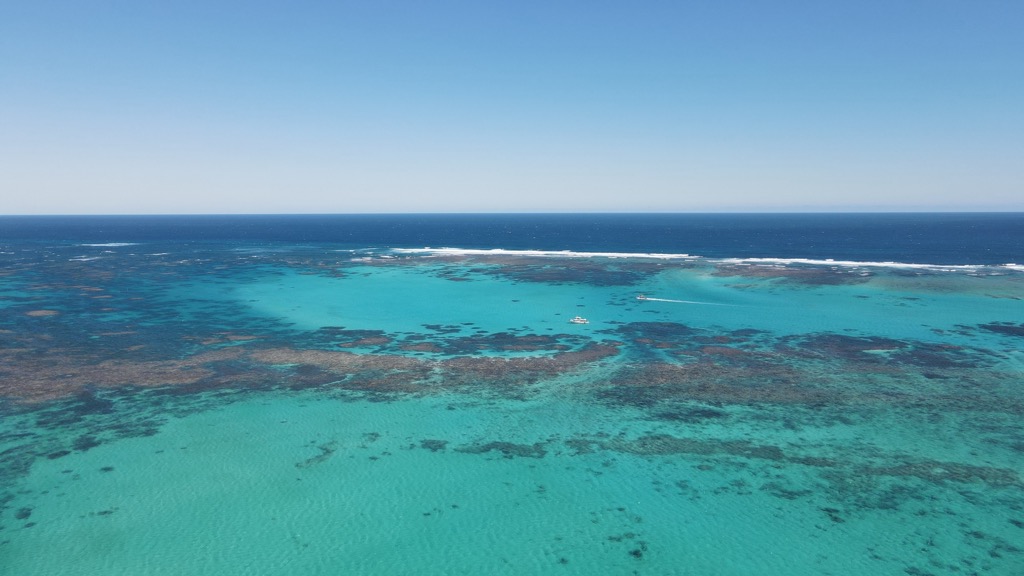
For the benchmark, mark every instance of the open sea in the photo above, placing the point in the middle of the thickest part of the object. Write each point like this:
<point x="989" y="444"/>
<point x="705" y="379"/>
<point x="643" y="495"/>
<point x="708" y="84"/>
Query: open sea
<point x="405" y="394"/>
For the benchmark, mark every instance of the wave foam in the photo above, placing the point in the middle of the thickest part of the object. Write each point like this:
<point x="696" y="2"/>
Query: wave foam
<point x="857" y="264"/>
<point x="110" y="244"/>
<point x="543" y="253"/>
<point x="776" y="262"/>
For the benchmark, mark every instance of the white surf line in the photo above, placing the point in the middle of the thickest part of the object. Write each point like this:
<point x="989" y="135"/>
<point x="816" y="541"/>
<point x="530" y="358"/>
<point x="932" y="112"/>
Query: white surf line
<point x="546" y="253"/>
<point x="859" y="264"/>
<point x="687" y="302"/>
<point x="110" y="244"/>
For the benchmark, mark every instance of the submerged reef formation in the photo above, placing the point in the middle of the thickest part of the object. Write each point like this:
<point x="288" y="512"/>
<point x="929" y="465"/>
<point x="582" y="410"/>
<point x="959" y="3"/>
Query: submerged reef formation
<point x="33" y="377"/>
<point x="138" y="320"/>
<point x="797" y="274"/>
<point x="828" y="413"/>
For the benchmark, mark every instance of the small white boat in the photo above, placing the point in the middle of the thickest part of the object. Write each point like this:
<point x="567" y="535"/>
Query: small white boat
<point x="641" y="297"/>
<point x="579" y="320"/>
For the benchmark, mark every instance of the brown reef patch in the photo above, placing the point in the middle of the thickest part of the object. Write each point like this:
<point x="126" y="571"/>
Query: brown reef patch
<point x="500" y="342"/>
<point x="723" y="351"/>
<point x="655" y="382"/>
<point x="860" y="350"/>
<point x="37" y="376"/>
<point x="366" y="342"/>
<point x="592" y="271"/>
<point x="422" y="347"/>
<point x="366" y="372"/>
<point x="395" y="373"/>
<point x="812" y="276"/>
<point x="37" y="373"/>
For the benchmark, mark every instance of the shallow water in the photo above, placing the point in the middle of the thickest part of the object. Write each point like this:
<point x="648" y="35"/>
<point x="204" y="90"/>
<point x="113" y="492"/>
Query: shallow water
<point x="226" y="408"/>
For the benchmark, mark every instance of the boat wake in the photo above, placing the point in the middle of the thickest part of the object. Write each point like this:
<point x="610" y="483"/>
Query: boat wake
<point x="649" y="299"/>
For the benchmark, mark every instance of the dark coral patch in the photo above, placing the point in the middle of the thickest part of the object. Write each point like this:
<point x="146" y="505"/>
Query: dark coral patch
<point x="1005" y="328"/>
<point x="839" y="470"/>
<point x="508" y="449"/>
<point x="338" y="336"/>
<point x="842" y="347"/>
<point x="712" y="383"/>
<point x="726" y="351"/>
<point x="366" y="342"/>
<point x="434" y="445"/>
<point x="443" y="329"/>
<point x="493" y="342"/>
<point x="85" y="442"/>
<point x="691" y="414"/>
<point x="422" y="347"/>
<point x="383" y="373"/>
<point x="881" y="351"/>
<point x="583" y="445"/>
<point x="833" y="514"/>
<point x="326" y="451"/>
<point x="779" y="490"/>
<point x="594" y="272"/>
<point x="809" y="275"/>
<point x="671" y="332"/>
<point x="664" y="444"/>
<point x="940" y="472"/>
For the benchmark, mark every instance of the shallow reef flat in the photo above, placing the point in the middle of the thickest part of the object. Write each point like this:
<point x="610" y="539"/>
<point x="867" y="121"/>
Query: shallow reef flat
<point x="323" y="411"/>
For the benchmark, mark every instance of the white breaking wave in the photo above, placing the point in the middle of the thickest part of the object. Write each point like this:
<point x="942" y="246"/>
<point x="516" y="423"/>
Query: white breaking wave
<point x="111" y="244"/>
<point x="545" y="253"/>
<point x="856" y="264"/>
<point x="779" y="262"/>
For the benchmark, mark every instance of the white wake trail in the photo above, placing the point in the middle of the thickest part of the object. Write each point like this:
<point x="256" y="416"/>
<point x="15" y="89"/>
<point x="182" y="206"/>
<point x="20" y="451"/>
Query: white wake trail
<point x="649" y="299"/>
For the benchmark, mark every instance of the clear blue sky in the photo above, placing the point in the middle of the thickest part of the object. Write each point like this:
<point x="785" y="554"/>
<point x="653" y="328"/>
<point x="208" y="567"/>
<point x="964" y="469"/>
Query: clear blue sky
<point x="254" y="106"/>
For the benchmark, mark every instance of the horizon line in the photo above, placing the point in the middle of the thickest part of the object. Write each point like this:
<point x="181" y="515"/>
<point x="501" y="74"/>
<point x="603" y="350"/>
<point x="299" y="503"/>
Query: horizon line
<point x="523" y="213"/>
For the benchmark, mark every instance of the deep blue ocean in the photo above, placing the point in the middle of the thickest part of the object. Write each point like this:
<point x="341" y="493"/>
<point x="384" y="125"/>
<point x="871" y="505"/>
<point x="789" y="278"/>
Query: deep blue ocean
<point x="925" y="238"/>
<point x="406" y="395"/>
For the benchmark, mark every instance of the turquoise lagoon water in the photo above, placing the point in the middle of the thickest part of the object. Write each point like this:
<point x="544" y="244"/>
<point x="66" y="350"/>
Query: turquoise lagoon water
<point x="301" y="410"/>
